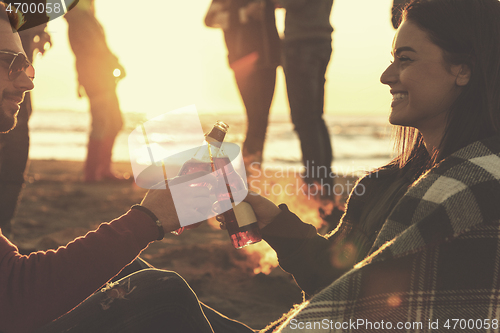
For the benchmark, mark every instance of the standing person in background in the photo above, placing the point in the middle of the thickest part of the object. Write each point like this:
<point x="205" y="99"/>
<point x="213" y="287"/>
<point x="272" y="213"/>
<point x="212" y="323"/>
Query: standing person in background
<point x="98" y="73"/>
<point x="14" y="146"/>
<point x="397" y="7"/>
<point x="44" y="286"/>
<point x="307" y="49"/>
<point x="253" y="46"/>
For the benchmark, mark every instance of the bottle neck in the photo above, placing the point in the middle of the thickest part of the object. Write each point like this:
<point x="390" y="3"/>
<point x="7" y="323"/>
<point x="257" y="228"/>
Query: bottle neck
<point x="213" y="142"/>
<point x="209" y="151"/>
<point x="214" y="148"/>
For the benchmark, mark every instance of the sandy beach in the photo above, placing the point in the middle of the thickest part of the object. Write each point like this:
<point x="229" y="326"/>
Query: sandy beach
<point x="57" y="206"/>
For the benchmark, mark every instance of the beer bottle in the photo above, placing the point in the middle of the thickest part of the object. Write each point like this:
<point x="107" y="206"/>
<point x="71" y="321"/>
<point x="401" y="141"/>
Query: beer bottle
<point x="239" y="219"/>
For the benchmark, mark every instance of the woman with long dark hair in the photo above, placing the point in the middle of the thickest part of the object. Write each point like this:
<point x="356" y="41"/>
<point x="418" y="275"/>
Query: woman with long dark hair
<point x="422" y="231"/>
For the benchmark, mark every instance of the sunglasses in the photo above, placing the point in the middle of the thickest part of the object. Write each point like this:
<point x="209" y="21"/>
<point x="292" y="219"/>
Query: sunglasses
<point x="19" y="64"/>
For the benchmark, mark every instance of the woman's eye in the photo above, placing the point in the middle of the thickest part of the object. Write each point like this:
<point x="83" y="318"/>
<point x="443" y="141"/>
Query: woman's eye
<point x="402" y="59"/>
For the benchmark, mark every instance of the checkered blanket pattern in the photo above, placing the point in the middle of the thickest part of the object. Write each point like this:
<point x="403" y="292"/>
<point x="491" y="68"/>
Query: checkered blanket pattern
<point x="436" y="259"/>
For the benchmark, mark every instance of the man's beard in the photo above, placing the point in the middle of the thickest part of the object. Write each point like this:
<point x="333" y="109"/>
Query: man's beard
<point x="7" y="122"/>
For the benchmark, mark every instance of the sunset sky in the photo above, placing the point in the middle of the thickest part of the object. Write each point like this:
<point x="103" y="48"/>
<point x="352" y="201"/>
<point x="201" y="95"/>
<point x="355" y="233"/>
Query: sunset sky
<point x="173" y="60"/>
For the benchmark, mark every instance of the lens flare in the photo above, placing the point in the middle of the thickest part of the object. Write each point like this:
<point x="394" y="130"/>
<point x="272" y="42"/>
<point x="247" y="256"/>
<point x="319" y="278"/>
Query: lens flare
<point x="394" y="301"/>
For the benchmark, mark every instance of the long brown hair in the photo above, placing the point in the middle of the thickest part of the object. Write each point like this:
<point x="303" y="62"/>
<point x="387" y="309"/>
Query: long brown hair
<point x="468" y="32"/>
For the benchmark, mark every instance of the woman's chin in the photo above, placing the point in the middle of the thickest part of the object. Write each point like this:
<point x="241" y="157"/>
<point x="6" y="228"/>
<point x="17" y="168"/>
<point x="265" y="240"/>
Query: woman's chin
<point x="395" y="120"/>
<point x="400" y="118"/>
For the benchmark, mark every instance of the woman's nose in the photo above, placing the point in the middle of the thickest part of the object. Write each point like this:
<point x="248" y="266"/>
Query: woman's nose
<point x="390" y="75"/>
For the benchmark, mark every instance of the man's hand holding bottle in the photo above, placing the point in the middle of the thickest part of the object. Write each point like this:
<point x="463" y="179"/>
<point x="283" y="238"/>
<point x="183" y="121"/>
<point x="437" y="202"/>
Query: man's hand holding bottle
<point x="196" y="200"/>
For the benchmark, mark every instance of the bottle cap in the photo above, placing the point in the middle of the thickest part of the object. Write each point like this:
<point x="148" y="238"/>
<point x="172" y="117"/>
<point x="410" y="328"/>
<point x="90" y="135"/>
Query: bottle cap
<point x="218" y="133"/>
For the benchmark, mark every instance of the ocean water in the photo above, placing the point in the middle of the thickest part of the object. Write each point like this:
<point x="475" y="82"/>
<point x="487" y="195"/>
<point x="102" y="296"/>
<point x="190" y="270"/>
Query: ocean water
<point x="360" y="143"/>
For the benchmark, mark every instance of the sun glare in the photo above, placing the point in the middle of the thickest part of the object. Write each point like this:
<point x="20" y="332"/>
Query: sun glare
<point x="173" y="60"/>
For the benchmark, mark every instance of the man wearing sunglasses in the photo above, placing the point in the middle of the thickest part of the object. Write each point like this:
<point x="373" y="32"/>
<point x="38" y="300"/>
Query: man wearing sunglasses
<point x="37" y="289"/>
<point x="16" y="76"/>
<point x="14" y="146"/>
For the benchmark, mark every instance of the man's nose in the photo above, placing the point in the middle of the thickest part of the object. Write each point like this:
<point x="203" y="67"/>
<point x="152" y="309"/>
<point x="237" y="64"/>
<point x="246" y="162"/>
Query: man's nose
<point x="23" y="82"/>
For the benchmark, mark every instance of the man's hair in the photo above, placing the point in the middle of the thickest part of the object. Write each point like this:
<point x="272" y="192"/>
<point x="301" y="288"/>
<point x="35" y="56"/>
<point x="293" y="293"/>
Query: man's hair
<point x="468" y="32"/>
<point x="16" y="20"/>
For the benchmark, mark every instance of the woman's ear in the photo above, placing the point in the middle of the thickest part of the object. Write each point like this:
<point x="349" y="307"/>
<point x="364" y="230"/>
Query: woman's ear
<point x="463" y="75"/>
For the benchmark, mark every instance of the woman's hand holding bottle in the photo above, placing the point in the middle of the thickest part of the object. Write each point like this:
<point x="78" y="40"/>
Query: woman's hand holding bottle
<point x="265" y="210"/>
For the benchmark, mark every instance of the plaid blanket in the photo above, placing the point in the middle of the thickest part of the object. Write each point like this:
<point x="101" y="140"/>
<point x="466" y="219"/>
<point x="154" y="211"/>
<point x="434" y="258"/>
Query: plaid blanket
<point x="435" y="265"/>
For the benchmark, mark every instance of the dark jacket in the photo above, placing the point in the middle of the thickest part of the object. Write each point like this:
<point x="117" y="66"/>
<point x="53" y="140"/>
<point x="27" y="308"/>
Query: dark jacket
<point x="337" y="252"/>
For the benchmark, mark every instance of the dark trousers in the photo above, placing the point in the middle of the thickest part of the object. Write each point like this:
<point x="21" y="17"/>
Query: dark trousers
<point x="257" y="90"/>
<point x="150" y="300"/>
<point x="106" y="115"/>
<point x="305" y="63"/>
